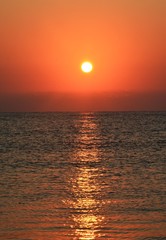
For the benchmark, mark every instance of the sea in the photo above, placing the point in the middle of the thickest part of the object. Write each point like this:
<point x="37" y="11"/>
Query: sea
<point x="83" y="176"/>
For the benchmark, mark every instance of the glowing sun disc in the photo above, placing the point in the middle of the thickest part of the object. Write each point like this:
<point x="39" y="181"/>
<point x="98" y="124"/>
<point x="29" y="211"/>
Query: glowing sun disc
<point x="86" y="67"/>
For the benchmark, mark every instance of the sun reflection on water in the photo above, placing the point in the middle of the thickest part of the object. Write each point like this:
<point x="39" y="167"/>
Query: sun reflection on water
<point x="86" y="205"/>
<point x="88" y="224"/>
<point x="85" y="185"/>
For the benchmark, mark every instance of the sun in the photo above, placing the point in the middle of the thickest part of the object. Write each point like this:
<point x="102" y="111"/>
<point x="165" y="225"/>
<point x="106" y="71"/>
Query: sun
<point x="86" y="67"/>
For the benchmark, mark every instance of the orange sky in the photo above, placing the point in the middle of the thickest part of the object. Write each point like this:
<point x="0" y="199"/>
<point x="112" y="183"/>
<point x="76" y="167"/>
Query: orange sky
<point x="43" y="44"/>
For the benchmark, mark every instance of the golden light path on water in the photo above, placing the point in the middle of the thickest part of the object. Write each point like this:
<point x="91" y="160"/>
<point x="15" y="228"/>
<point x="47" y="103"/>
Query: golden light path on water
<point x="85" y="185"/>
<point x="88" y="221"/>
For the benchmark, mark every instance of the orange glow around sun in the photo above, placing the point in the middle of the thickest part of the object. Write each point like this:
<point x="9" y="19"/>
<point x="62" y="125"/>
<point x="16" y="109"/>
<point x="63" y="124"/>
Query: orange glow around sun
<point x="107" y="51"/>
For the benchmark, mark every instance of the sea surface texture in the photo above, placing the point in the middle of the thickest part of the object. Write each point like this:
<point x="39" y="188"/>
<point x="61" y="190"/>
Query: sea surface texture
<point x="83" y="176"/>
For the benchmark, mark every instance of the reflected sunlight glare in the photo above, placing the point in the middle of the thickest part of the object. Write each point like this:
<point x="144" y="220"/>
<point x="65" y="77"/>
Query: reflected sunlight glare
<point x="85" y="185"/>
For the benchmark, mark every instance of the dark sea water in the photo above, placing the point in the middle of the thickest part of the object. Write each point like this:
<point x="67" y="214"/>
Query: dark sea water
<point x="82" y="176"/>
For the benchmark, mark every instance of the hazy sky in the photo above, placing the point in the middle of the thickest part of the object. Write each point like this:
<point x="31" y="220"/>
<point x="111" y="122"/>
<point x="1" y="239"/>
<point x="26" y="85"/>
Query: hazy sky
<point x="43" y="44"/>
